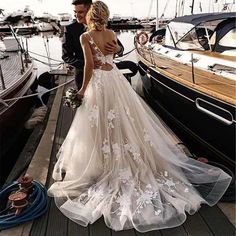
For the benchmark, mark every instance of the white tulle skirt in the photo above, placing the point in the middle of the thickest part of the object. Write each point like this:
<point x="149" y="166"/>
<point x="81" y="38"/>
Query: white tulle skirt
<point x="119" y="160"/>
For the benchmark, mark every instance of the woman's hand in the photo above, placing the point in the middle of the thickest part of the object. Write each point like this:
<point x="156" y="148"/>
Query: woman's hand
<point x="80" y="94"/>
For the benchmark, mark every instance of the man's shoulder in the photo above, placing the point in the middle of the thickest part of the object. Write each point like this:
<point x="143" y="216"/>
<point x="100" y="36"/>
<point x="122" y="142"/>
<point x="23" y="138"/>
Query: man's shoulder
<point x="75" y="26"/>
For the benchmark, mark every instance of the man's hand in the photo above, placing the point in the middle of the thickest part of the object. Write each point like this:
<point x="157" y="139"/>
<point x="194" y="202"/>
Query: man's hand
<point x="112" y="48"/>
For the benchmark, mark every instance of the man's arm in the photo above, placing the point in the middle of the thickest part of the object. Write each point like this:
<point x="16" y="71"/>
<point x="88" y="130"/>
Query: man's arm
<point x="68" y="54"/>
<point x="114" y="47"/>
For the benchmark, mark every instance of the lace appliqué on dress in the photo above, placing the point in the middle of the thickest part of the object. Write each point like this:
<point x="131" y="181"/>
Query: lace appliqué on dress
<point x="127" y="111"/>
<point x="111" y="116"/>
<point x="133" y="151"/>
<point x="147" y="137"/>
<point x="147" y="197"/>
<point x="168" y="183"/>
<point x="106" y="149"/>
<point x="93" y="116"/>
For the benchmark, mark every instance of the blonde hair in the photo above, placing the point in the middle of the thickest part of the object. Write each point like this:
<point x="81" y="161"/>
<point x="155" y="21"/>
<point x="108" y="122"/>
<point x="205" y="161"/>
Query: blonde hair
<point x="97" y="16"/>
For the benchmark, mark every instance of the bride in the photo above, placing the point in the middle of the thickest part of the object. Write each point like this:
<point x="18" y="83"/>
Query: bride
<point x="119" y="160"/>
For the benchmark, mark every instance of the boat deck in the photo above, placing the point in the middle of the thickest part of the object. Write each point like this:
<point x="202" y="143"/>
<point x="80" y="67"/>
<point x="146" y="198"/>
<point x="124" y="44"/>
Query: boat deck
<point x="208" y="221"/>
<point x="11" y="69"/>
<point x="208" y="83"/>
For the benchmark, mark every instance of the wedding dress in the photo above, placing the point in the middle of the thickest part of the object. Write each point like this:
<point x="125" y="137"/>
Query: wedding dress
<point x="120" y="161"/>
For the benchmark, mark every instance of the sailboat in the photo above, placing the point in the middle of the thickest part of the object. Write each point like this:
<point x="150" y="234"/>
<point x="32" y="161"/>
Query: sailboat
<point x="189" y="78"/>
<point x="17" y="79"/>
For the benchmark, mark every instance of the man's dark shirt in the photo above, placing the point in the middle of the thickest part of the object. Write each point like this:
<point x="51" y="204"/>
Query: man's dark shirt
<point x="72" y="52"/>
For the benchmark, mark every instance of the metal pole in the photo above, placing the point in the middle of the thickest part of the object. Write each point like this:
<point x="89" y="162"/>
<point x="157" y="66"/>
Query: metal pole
<point x="26" y="52"/>
<point x="22" y="63"/>
<point x="192" y="68"/>
<point x="2" y="79"/>
<point x="192" y="7"/>
<point x="157" y="17"/>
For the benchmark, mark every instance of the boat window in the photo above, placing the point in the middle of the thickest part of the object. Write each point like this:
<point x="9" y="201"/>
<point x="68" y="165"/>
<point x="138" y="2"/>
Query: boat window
<point x="212" y="40"/>
<point x="178" y="55"/>
<point x="187" y="36"/>
<point x="190" y="41"/>
<point x="182" y="35"/>
<point x="229" y="40"/>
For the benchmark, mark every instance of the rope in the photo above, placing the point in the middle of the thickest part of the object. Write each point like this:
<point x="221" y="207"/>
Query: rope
<point x="124" y="55"/>
<point x="38" y="205"/>
<point x="3" y="101"/>
<point x="45" y="57"/>
<point x="45" y="63"/>
<point x="35" y="94"/>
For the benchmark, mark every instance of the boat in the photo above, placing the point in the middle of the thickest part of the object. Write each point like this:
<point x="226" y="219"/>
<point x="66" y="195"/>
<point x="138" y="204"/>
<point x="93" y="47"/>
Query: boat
<point x="65" y="19"/>
<point x="47" y="22"/>
<point x="22" y="22"/>
<point x="17" y="79"/>
<point x="189" y="77"/>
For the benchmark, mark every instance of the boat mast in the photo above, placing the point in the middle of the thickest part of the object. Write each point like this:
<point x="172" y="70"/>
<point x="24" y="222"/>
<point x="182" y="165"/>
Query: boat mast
<point x="157" y="17"/>
<point x="192" y="7"/>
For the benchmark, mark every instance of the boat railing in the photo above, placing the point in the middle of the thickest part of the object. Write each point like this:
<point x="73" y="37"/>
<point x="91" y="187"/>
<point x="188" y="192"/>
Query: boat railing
<point x="2" y="79"/>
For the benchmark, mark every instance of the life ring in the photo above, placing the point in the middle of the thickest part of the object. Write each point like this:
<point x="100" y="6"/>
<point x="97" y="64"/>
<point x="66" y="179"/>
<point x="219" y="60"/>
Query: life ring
<point x="142" y="38"/>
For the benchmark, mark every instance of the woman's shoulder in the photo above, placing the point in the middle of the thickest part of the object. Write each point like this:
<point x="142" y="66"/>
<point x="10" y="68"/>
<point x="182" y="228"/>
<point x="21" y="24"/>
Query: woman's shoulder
<point x="111" y="31"/>
<point x="84" y="37"/>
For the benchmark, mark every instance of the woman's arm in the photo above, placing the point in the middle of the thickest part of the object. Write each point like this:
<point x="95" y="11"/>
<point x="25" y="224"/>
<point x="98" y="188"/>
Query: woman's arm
<point x="88" y="63"/>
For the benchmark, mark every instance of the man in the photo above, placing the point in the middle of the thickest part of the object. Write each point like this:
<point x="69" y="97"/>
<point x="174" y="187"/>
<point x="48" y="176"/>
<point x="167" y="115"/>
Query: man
<point x="72" y="52"/>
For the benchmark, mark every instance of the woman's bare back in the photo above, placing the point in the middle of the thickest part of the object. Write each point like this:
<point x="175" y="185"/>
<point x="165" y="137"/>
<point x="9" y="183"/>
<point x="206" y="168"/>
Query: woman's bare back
<point x="98" y="42"/>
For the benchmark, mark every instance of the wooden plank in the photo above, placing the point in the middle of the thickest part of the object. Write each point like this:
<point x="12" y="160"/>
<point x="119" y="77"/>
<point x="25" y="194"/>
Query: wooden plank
<point x="58" y="72"/>
<point x="150" y="233"/>
<point x="99" y="228"/>
<point x="39" y="226"/>
<point x="216" y="55"/>
<point x="217" y="221"/>
<point x="177" y="231"/>
<point x="130" y="232"/>
<point x="195" y="226"/>
<point x="57" y="222"/>
<point x="77" y="230"/>
<point x="229" y="209"/>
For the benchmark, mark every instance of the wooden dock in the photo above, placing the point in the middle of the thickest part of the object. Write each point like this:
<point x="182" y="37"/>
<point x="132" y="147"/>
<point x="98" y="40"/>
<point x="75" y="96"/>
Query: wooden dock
<point x="208" y="221"/>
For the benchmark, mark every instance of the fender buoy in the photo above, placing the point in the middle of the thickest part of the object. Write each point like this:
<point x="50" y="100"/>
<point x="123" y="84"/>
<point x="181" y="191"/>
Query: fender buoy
<point x="142" y="38"/>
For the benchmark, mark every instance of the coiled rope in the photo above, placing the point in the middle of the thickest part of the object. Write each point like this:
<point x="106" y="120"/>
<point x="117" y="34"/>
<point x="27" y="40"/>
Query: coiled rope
<point x="38" y="204"/>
